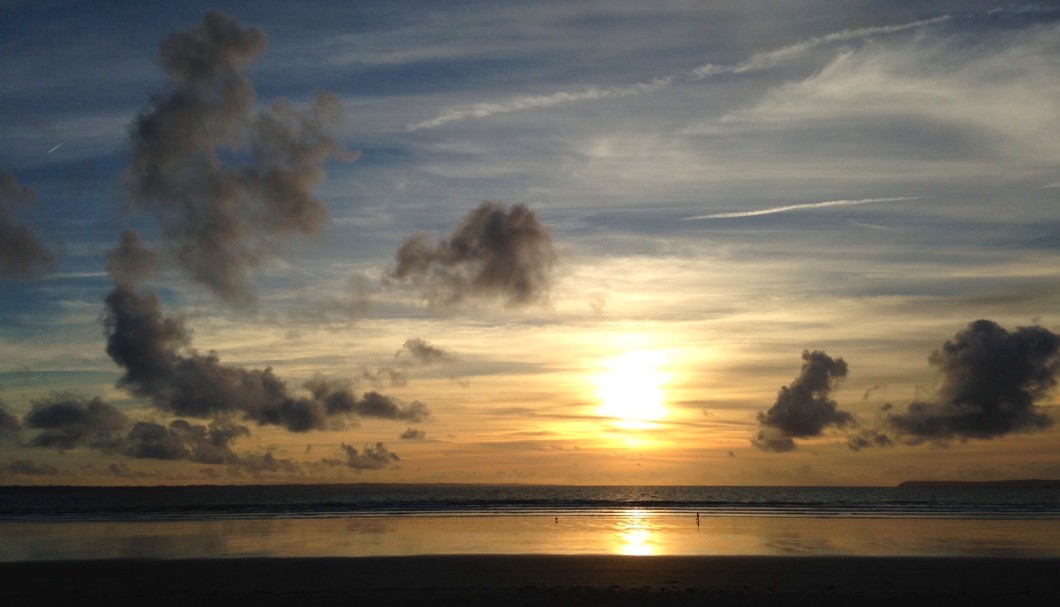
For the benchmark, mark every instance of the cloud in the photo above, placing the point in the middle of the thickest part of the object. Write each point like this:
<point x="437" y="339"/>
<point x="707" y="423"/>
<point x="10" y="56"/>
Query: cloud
<point x="160" y="364"/>
<point x="769" y="59"/>
<point x="258" y="464"/>
<point x="529" y="102"/>
<point x="371" y="458"/>
<point x="28" y="468"/>
<point x="992" y="380"/>
<point x="799" y="207"/>
<point x="22" y="255"/>
<point x="130" y="262"/>
<point x="423" y="353"/>
<point x="803" y="409"/>
<point x="413" y="434"/>
<point x="934" y="85"/>
<point x="868" y="438"/>
<point x="757" y="62"/>
<point x="67" y="422"/>
<point x="228" y="185"/>
<point x="9" y="426"/>
<point x="496" y="252"/>
<point x="181" y="440"/>
<point x="338" y="398"/>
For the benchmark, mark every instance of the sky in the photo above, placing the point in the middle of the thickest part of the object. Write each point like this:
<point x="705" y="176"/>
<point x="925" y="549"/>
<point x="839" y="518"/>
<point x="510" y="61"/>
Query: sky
<point x="702" y="243"/>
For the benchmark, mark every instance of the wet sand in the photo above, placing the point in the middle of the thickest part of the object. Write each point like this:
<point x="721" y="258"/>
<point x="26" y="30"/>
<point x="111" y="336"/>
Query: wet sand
<point x="536" y="580"/>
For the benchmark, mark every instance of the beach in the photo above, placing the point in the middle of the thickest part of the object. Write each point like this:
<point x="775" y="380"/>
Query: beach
<point x="535" y="580"/>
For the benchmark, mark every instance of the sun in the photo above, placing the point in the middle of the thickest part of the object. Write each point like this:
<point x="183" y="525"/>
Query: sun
<point x="631" y="389"/>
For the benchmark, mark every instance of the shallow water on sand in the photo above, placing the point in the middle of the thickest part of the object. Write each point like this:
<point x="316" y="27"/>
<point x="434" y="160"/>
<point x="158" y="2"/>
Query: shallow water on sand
<point x="633" y="532"/>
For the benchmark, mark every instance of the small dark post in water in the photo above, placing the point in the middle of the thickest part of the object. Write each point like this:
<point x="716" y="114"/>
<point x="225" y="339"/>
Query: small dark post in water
<point x="697" y="519"/>
<point x="557" y="520"/>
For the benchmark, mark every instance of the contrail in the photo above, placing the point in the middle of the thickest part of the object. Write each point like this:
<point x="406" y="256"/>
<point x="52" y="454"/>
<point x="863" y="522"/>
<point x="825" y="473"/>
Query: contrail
<point x="799" y="207"/>
<point x="759" y="61"/>
<point x="56" y="147"/>
<point x="766" y="60"/>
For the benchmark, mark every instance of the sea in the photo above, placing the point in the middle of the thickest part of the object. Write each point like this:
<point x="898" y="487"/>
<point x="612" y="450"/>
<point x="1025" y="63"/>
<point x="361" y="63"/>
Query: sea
<point x="58" y="523"/>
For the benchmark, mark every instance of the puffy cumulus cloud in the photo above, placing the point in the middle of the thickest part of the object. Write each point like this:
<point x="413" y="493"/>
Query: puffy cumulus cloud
<point x="160" y="364"/>
<point x="228" y="184"/>
<point x="26" y="467"/>
<point x="9" y="425"/>
<point x="992" y="381"/>
<point x="804" y="408"/>
<point x="495" y="253"/>
<point x="66" y="422"/>
<point x="413" y="434"/>
<point x="22" y="255"/>
<point x="370" y="458"/>
<point x="181" y="440"/>
<point x="418" y="351"/>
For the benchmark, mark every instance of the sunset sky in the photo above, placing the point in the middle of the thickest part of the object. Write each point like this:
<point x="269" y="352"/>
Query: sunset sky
<point x="670" y="242"/>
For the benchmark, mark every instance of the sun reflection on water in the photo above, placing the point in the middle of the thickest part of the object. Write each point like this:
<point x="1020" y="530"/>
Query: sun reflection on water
<point x="635" y="533"/>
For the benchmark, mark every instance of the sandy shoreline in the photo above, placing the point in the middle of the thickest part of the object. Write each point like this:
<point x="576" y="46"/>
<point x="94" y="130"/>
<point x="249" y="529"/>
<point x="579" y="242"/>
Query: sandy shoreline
<point x="537" y="580"/>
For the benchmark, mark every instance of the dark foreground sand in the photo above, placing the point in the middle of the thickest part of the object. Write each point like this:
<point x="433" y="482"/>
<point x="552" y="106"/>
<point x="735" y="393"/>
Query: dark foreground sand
<point x="500" y="581"/>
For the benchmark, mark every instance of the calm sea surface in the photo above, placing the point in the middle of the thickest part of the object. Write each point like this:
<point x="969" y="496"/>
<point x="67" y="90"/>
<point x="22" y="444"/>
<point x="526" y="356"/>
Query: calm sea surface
<point x="363" y="520"/>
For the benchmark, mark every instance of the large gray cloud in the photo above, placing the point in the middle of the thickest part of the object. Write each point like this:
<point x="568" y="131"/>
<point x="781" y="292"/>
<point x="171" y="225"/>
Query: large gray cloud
<point x="160" y="364"/>
<point x="229" y="185"/>
<point x="992" y="381"/>
<point x="22" y="255"/>
<point x="803" y="409"/>
<point x="66" y="422"/>
<point x="496" y="253"/>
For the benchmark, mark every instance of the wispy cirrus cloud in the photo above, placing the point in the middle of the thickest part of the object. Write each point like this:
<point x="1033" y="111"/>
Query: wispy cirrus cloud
<point x="800" y="207"/>
<point x="759" y="61"/>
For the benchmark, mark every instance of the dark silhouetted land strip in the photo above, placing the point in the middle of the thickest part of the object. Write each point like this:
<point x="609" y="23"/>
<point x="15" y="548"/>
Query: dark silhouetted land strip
<point x="1026" y="483"/>
<point x="536" y="580"/>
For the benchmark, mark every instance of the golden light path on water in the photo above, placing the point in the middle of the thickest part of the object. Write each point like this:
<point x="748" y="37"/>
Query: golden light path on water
<point x="634" y="535"/>
<point x="632" y="532"/>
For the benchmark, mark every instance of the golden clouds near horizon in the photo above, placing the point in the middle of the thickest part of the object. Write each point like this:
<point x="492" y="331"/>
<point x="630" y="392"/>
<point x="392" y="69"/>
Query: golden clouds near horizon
<point x="632" y="390"/>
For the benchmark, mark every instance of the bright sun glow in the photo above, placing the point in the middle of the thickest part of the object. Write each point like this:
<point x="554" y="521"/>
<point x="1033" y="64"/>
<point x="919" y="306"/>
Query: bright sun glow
<point x="631" y="390"/>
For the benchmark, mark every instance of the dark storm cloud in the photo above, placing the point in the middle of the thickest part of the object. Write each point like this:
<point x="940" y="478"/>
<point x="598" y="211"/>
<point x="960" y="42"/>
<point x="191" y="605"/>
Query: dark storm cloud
<point x="229" y="185"/>
<point x="496" y="252"/>
<point x="67" y="422"/>
<point x="9" y="426"/>
<point x="371" y="458"/>
<point x="420" y="352"/>
<point x="181" y="440"/>
<point x="991" y="382"/>
<point x="803" y="409"/>
<point x="28" y="468"/>
<point x="413" y="434"/>
<point x="160" y="364"/>
<point x="21" y="254"/>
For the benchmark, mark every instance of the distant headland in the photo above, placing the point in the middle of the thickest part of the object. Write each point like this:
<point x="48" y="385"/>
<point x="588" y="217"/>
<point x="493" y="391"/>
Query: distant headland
<point x="1026" y="483"/>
